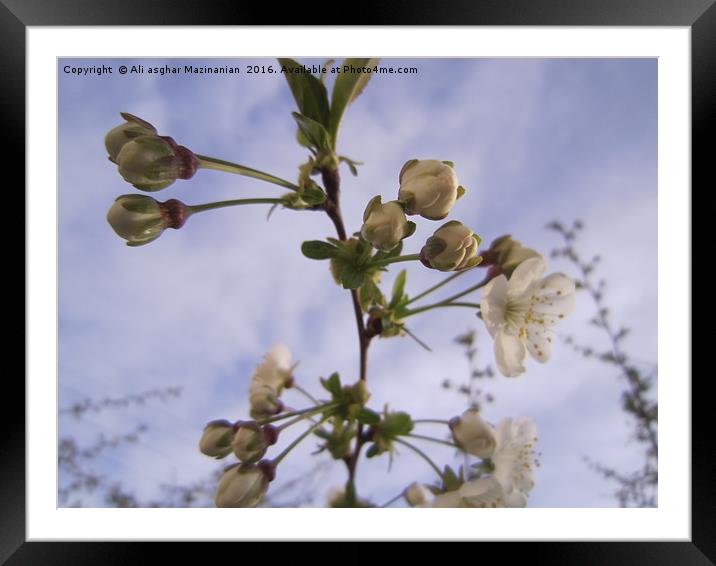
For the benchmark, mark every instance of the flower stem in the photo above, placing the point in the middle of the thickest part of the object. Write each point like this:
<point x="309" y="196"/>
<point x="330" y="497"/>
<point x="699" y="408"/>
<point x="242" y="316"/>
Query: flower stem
<point x="298" y="440"/>
<point x="409" y="257"/>
<point x="224" y="203"/>
<point x="434" y="421"/>
<point x="451" y="301"/>
<point x="310" y="410"/>
<point x="437" y="286"/>
<point x="305" y="393"/>
<point x="422" y="454"/>
<point x="431" y="439"/>
<point x="229" y="167"/>
<point x="396" y="498"/>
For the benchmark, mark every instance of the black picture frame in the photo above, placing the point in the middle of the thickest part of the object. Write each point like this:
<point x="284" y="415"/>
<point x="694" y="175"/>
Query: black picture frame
<point x="16" y="15"/>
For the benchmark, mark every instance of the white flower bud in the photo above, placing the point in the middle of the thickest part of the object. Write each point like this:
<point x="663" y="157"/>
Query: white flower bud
<point x="452" y="247"/>
<point x="252" y="440"/>
<point x="216" y="439"/>
<point x="385" y="225"/>
<point x="507" y="254"/>
<point x="417" y="494"/>
<point x="264" y="402"/>
<point x="120" y="135"/>
<point x="429" y="188"/>
<point x="242" y="486"/>
<point x="474" y="435"/>
<point x="270" y="377"/>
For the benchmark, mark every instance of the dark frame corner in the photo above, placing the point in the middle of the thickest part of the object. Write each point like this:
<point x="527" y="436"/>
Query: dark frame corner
<point x="700" y="15"/>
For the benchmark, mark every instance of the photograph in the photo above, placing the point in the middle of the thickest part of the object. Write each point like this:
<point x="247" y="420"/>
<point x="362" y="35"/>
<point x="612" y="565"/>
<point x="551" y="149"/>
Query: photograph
<point x="357" y="282"/>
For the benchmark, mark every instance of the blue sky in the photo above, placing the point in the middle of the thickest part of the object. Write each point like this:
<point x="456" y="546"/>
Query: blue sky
<point x="533" y="140"/>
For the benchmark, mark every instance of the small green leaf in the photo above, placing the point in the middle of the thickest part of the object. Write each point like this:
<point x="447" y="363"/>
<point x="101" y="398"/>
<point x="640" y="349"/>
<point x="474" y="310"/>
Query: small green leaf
<point x="449" y="163"/>
<point x="317" y="249"/>
<point x="399" y="287"/>
<point x="372" y="451"/>
<point x="348" y="86"/>
<point x="313" y="131"/>
<point x="368" y="417"/>
<point x="396" y="424"/>
<point x="410" y="228"/>
<point x="333" y="385"/>
<point x="352" y="277"/>
<point x="308" y="91"/>
<point x="460" y="191"/>
<point x="451" y="481"/>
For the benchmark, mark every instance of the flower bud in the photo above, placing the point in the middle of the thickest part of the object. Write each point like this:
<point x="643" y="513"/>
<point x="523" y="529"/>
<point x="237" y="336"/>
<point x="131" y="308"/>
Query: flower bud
<point x="264" y="402"/>
<point x="452" y="247"/>
<point x="417" y="494"/>
<point x="140" y="219"/>
<point x="120" y="135"/>
<point x="242" y="486"/>
<point x="506" y="254"/>
<point x="216" y="439"/>
<point x="151" y="163"/>
<point x="474" y="435"/>
<point x="252" y="440"/>
<point x="429" y="188"/>
<point x="385" y="225"/>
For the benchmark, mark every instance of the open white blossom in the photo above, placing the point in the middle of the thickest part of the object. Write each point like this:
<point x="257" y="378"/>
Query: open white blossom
<point x="485" y="492"/>
<point x="268" y="380"/>
<point x="519" y="312"/>
<point x="514" y="457"/>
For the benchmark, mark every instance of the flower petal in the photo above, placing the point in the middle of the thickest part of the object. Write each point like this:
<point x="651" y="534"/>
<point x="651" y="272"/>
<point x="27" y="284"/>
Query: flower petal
<point x="510" y="354"/>
<point x="538" y="342"/>
<point x="493" y="303"/>
<point x="524" y="275"/>
<point x="553" y="295"/>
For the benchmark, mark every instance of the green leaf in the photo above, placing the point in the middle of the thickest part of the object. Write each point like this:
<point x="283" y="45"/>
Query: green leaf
<point x="346" y="89"/>
<point x="449" y="164"/>
<point x="370" y="294"/>
<point x="352" y="277"/>
<point x="398" y="287"/>
<point x="451" y="481"/>
<point x="333" y="385"/>
<point x="368" y="417"/>
<point x="460" y="191"/>
<point x="372" y="451"/>
<point x="396" y="424"/>
<point x="312" y="130"/>
<point x="308" y="91"/>
<point x="410" y="229"/>
<point x="317" y="249"/>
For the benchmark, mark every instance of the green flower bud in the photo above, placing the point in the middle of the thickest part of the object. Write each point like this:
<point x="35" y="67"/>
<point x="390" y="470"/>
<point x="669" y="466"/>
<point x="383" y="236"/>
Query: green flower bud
<point x="141" y="219"/>
<point x="243" y="485"/>
<point x="505" y="254"/>
<point x="216" y="439"/>
<point x="151" y="163"/>
<point x="385" y="225"/>
<point x="252" y="440"/>
<point x="429" y="188"/>
<point x="452" y="247"/>
<point x="120" y="135"/>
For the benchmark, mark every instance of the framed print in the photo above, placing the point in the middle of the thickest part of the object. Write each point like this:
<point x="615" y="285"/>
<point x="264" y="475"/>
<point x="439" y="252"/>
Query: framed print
<point x="440" y="269"/>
